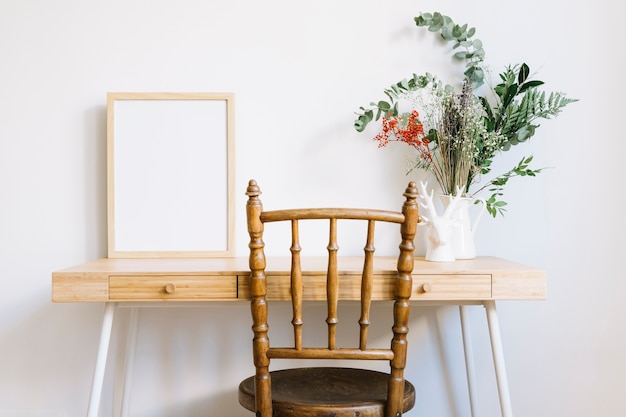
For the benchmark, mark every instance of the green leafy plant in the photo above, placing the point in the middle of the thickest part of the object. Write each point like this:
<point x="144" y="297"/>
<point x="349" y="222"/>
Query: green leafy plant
<point x="463" y="37"/>
<point x="509" y="115"/>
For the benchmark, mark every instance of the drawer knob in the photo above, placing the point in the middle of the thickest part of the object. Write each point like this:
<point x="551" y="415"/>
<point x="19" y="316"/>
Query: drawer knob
<point x="426" y="287"/>
<point x="170" y="288"/>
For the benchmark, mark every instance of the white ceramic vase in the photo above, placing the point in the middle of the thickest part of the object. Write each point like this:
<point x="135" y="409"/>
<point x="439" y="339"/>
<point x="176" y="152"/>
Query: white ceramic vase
<point x="463" y="227"/>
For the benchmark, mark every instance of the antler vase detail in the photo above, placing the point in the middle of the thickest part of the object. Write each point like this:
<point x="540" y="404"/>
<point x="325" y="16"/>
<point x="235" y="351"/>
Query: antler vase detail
<point x="440" y="227"/>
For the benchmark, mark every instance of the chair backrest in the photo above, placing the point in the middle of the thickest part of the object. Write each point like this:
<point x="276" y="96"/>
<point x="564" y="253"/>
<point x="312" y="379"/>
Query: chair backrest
<point x="395" y="354"/>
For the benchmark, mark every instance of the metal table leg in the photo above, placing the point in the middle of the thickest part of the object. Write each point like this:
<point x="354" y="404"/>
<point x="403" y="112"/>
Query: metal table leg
<point x="498" y="358"/>
<point x="101" y="360"/>
<point x="131" y="343"/>
<point x="469" y="360"/>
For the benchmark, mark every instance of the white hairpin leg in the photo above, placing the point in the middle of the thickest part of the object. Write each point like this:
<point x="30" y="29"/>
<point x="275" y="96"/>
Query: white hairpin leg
<point x="101" y="360"/>
<point x="469" y="360"/>
<point x="498" y="358"/>
<point x="131" y="343"/>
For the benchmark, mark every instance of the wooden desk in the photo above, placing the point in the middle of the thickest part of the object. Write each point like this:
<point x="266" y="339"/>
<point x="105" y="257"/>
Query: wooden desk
<point x="479" y="281"/>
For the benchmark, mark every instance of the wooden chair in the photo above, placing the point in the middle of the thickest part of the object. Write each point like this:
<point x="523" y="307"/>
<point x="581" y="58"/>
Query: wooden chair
<point x="329" y="391"/>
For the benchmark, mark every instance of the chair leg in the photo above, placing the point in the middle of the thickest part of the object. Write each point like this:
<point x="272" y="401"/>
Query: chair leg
<point x="498" y="358"/>
<point x="101" y="360"/>
<point x="469" y="360"/>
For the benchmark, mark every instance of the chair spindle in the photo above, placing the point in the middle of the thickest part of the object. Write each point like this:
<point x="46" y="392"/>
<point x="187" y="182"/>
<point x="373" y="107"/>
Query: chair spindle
<point x="367" y="282"/>
<point x="332" y="285"/>
<point x="296" y="285"/>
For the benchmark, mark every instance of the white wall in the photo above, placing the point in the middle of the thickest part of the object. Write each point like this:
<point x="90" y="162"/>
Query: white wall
<point x="299" y="71"/>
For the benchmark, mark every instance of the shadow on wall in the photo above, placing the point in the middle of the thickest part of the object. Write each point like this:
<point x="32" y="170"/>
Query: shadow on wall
<point x="194" y="384"/>
<point x="53" y="346"/>
<point x="189" y="360"/>
<point x="213" y="404"/>
<point x="95" y="180"/>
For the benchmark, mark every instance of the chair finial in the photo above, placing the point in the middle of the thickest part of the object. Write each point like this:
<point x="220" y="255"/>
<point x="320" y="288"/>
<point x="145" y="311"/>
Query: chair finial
<point x="411" y="191"/>
<point x="253" y="189"/>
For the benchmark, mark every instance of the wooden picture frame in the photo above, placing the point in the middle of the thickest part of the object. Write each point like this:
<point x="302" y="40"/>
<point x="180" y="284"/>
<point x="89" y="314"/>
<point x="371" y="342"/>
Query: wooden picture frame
<point x="170" y="175"/>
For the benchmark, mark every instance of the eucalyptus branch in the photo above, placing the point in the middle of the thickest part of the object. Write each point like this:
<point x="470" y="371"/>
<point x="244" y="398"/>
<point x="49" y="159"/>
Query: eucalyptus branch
<point x="462" y="36"/>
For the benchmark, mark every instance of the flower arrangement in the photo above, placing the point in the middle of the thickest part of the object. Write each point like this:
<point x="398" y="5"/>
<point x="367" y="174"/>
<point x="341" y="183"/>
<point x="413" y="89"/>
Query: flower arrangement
<point x="457" y="133"/>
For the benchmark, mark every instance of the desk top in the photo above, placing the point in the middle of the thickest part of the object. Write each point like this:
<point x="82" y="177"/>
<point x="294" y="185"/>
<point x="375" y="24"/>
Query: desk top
<point x="108" y="279"/>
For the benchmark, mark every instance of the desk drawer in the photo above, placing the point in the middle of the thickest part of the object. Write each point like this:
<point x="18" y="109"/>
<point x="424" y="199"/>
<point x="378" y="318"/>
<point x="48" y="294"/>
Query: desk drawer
<point x="440" y="287"/>
<point x="278" y="287"/>
<point x="451" y="287"/>
<point x="172" y="287"/>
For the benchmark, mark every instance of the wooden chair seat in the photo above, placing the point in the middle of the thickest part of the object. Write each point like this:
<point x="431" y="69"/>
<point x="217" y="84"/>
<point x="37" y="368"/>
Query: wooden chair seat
<point x="343" y="391"/>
